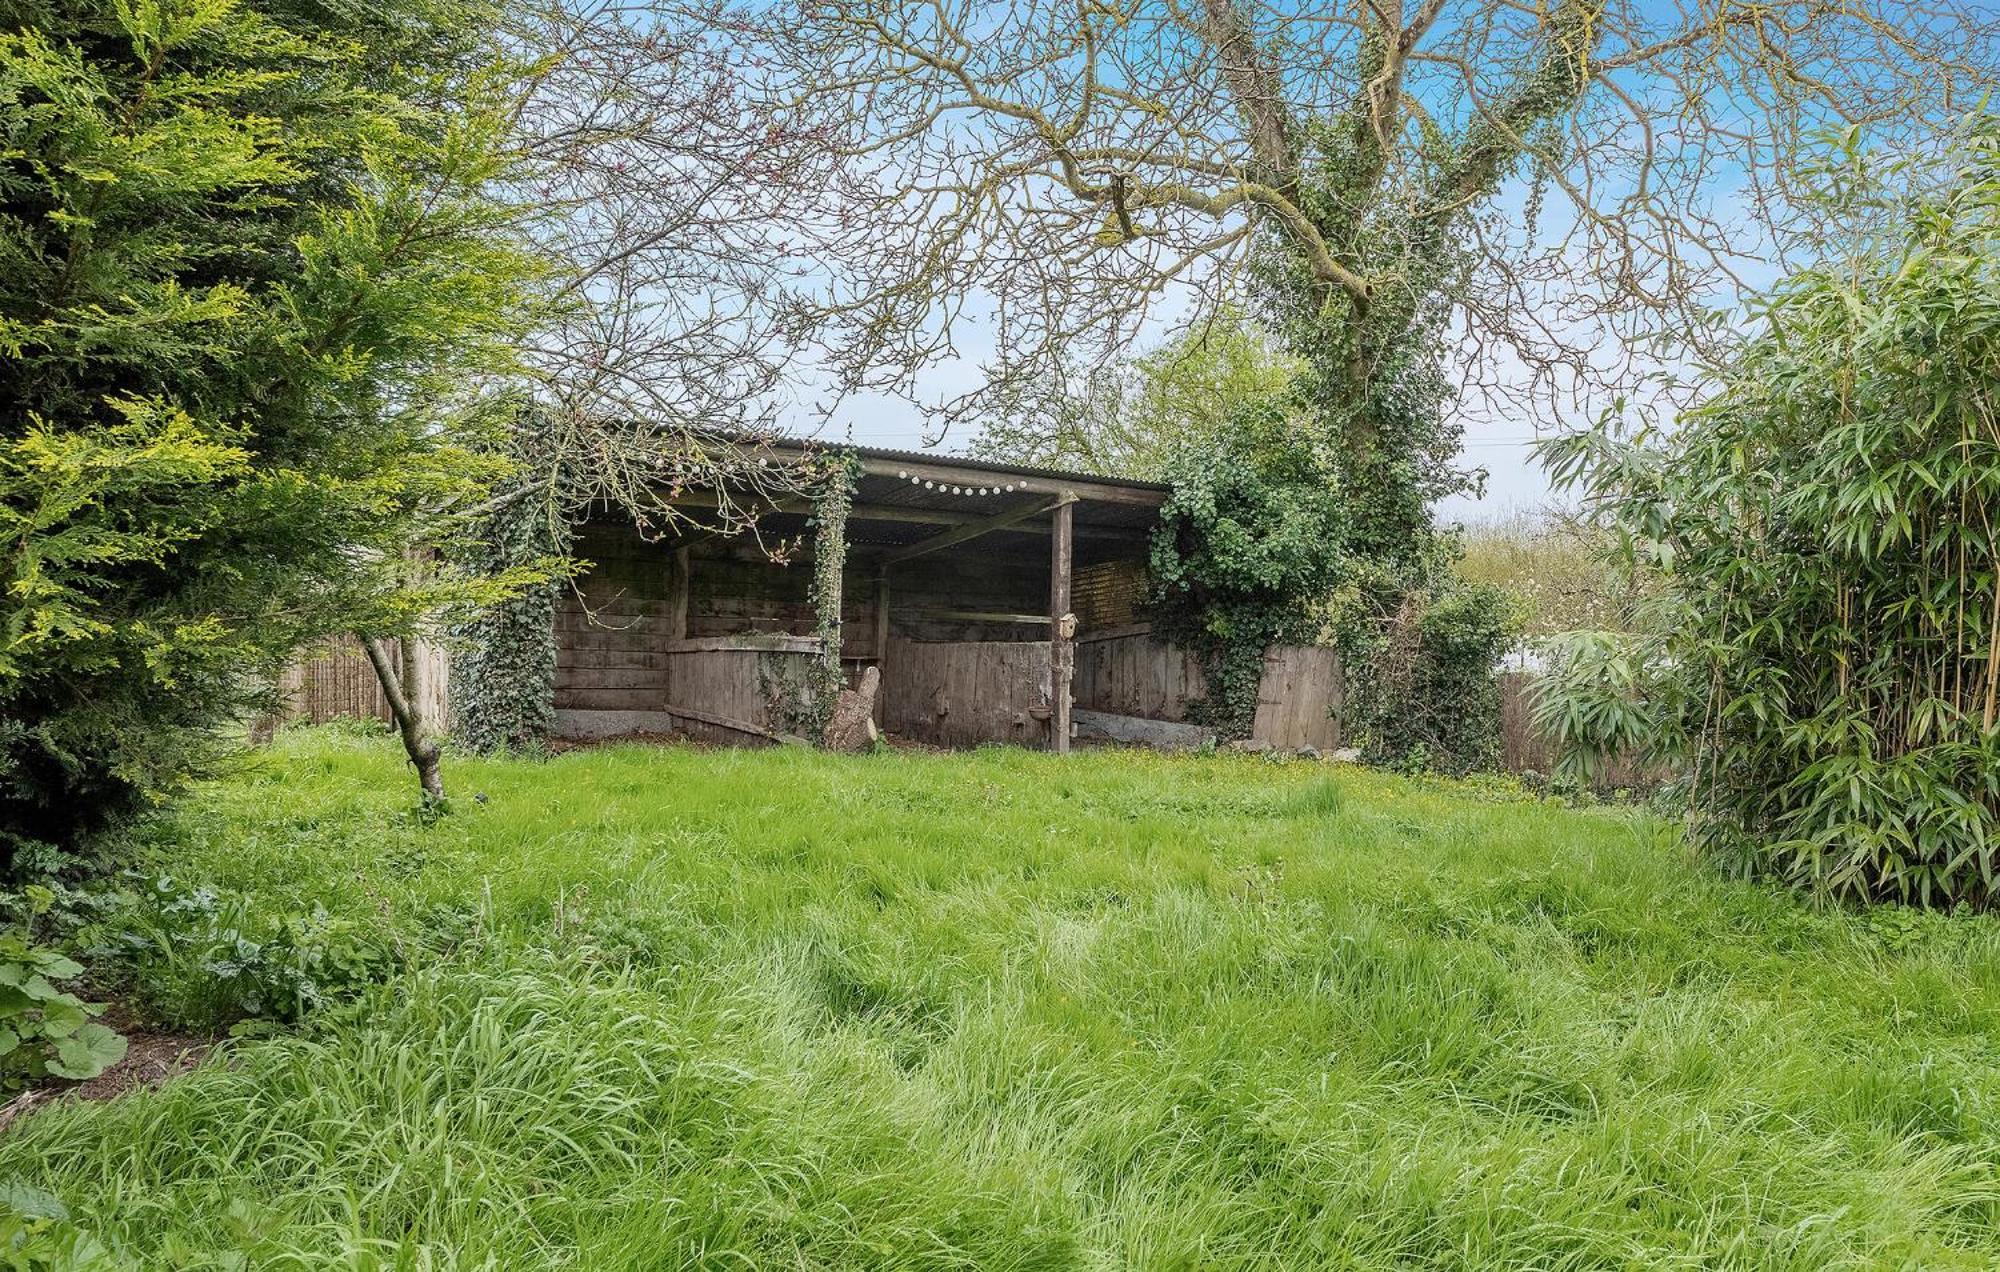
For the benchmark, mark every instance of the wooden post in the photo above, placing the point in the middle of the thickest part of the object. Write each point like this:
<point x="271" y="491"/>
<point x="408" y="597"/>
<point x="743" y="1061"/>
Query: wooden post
<point x="1062" y="627"/>
<point x="881" y="639"/>
<point x="680" y="580"/>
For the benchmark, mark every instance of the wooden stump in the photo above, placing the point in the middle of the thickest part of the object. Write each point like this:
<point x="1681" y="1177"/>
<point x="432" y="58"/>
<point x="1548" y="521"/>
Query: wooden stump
<point x="852" y="727"/>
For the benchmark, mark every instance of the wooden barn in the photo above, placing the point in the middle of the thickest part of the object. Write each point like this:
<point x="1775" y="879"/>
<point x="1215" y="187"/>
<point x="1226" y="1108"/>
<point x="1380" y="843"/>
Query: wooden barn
<point x="998" y="603"/>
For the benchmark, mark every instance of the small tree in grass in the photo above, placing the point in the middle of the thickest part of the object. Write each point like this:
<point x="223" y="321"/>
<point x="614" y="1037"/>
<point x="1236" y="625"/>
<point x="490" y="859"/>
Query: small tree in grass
<point x="1823" y="656"/>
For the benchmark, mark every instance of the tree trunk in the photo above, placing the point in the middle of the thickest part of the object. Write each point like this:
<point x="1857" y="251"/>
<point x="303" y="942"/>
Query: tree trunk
<point x="405" y="693"/>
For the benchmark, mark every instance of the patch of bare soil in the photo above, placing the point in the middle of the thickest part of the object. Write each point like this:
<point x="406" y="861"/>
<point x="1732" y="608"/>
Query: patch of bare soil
<point x="151" y="1060"/>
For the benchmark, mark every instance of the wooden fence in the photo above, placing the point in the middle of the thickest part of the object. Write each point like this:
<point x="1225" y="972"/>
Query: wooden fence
<point x="338" y="682"/>
<point x="1127" y="672"/>
<point x="953" y="693"/>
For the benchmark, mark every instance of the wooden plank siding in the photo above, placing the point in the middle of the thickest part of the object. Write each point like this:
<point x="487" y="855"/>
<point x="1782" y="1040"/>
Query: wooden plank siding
<point x="1299" y="698"/>
<point x="723" y="694"/>
<point x="1135" y="674"/>
<point x="612" y="621"/>
<point x="964" y="693"/>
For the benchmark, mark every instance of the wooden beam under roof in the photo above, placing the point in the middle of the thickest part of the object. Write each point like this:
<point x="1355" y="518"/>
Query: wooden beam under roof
<point x="985" y="525"/>
<point x="703" y="500"/>
<point x="942" y="470"/>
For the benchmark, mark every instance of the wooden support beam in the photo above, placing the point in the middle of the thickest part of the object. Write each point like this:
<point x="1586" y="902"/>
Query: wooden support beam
<point x="1062" y="628"/>
<point x="985" y="525"/>
<point x="735" y="725"/>
<point x="982" y="616"/>
<point x="881" y="641"/>
<point x="745" y="504"/>
<point x="701" y="500"/>
<point x="680" y="586"/>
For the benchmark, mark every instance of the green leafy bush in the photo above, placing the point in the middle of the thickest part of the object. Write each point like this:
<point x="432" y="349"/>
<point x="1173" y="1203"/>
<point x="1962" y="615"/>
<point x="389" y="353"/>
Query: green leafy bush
<point x="38" y="1235"/>
<point x="1247" y="542"/>
<point x="44" y="1030"/>
<point x="1824" y="655"/>
<point x="1430" y="700"/>
<point x="200" y="958"/>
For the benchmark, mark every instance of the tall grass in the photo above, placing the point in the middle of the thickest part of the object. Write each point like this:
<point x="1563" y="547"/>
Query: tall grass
<point x="667" y="1008"/>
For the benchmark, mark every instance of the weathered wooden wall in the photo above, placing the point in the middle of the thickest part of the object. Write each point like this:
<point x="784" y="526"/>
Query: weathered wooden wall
<point x="1126" y="671"/>
<point x="729" y="689"/>
<point x="613" y="622"/>
<point x="733" y="587"/>
<point x="1130" y="672"/>
<point x="963" y="693"/>
<point x="1110" y="593"/>
<point x="1299" y="698"/>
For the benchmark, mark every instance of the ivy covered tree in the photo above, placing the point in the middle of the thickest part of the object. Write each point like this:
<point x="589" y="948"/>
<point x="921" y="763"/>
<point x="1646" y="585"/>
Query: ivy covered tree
<point x="253" y="284"/>
<point x="1423" y="199"/>
<point x="1436" y="207"/>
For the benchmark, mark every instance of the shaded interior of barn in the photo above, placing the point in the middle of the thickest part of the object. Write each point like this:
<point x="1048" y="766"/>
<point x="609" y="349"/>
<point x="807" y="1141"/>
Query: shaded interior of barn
<point x="958" y="577"/>
<point x="949" y="589"/>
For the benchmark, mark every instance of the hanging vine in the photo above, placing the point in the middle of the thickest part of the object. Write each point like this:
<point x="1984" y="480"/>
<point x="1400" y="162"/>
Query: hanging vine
<point x="807" y="709"/>
<point x="1241" y="553"/>
<point x="503" y="673"/>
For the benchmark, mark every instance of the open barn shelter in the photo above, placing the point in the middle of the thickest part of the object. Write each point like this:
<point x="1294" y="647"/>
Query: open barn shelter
<point x="1000" y="604"/>
<point x="967" y="584"/>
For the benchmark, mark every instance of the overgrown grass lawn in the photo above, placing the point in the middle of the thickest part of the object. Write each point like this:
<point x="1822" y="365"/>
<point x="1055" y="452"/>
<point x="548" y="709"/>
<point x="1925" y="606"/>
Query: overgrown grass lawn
<point x="664" y="1008"/>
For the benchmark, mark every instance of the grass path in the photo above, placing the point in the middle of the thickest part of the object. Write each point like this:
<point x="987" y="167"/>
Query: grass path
<point x="786" y="1010"/>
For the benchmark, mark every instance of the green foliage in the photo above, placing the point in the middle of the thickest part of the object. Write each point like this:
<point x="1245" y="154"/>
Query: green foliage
<point x="250" y="277"/>
<point x="503" y="672"/>
<point x="1014" y="1010"/>
<point x="1247" y="542"/>
<point x="1430" y="700"/>
<point x="1604" y="695"/>
<point x="1373" y="383"/>
<point x="46" y="1031"/>
<point x="38" y="1235"/>
<point x="203" y="959"/>
<point x="1283" y="527"/>
<point x="1825" y="657"/>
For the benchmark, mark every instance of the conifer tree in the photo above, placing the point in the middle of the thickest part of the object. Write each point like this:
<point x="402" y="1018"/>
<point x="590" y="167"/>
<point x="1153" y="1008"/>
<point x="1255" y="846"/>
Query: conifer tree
<point x="251" y="286"/>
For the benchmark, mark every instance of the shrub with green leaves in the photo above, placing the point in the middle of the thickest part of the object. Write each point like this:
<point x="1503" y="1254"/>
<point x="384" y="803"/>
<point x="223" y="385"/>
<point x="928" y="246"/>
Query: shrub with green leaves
<point x="1824" y="654"/>
<point x="251" y="277"/>
<point x="1430" y="700"/>
<point x="46" y="1031"/>
<point x="1247" y="542"/>
<point x="195" y="957"/>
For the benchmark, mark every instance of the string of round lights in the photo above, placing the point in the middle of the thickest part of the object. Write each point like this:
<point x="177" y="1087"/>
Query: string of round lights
<point x="947" y="488"/>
